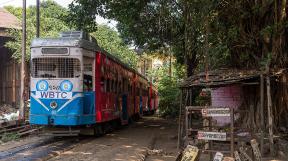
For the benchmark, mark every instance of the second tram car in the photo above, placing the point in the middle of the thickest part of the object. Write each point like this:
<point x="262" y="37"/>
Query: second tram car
<point x="74" y="83"/>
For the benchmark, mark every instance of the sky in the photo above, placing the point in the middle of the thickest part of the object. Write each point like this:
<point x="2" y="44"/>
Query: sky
<point x="64" y="3"/>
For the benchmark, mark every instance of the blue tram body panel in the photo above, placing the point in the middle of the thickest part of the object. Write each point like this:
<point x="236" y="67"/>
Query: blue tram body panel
<point x="69" y="112"/>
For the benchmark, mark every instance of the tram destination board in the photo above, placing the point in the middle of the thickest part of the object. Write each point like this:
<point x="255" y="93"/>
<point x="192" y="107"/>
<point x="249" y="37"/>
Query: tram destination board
<point x="212" y="112"/>
<point x="219" y="136"/>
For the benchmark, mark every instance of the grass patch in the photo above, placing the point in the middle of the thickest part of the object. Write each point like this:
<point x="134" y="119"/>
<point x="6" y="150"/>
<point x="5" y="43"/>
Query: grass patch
<point x="9" y="137"/>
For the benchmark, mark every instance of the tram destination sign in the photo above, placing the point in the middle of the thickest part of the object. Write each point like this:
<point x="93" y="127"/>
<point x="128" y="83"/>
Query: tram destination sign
<point x="219" y="136"/>
<point x="210" y="112"/>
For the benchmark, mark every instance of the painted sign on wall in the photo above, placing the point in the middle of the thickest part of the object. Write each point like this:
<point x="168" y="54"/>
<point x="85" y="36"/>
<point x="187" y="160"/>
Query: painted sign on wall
<point x="220" y="136"/>
<point x="211" y="112"/>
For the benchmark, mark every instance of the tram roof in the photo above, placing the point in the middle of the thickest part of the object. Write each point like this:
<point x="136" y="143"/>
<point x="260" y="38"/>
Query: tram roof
<point x="77" y="42"/>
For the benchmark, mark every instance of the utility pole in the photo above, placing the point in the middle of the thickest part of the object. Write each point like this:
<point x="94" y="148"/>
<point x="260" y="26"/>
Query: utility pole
<point x="22" y="88"/>
<point x="37" y="18"/>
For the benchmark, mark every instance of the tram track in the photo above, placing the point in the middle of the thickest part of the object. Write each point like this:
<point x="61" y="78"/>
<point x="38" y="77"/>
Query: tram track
<point x="19" y="130"/>
<point x="41" y="150"/>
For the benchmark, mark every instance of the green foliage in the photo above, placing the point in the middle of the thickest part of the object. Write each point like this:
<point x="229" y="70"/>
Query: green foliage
<point x="51" y="25"/>
<point x="9" y="137"/>
<point x="169" y="97"/>
<point x="109" y="39"/>
<point x="223" y="33"/>
<point x="168" y="88"/>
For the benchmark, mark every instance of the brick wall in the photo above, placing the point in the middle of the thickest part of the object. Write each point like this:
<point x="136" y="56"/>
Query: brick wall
<point x="229" y="96"/>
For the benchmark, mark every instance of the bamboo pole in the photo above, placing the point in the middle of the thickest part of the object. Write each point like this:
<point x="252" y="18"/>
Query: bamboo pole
<point x="37" y="18"/>
<point x="22" y="101"/>
<point x="270" y="115"/>
<point x="262" y="112"/>
<point x="232" y="131"/>
<point x="179" y="122"/>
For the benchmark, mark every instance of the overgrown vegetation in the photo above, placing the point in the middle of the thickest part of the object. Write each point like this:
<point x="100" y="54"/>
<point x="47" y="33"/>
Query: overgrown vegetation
<point x="110" y="40"/>
<point x="9" y="137"/>
<point x="168" y="88"/>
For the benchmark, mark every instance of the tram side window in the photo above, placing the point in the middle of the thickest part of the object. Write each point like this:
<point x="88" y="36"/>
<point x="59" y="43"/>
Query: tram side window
<point x="107" y="85"/>
<point x="112" y="86"/>
<point x="87" y="77"/>
<point x="88" y="86"/>
<point x="103" y="84"/>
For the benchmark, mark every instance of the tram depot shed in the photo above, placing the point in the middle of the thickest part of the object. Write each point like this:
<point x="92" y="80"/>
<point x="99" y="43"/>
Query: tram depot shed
<point x="9" y="67"/>
<point x="259" y="102"/>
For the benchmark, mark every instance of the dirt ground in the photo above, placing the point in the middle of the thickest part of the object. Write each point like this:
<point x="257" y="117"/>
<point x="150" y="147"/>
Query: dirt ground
<point x="150" y="139"/>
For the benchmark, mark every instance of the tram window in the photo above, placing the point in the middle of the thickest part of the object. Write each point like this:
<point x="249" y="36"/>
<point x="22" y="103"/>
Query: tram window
<point x="55" y="68"/>
<point x="112" y="85"/>
<point x="102" y="83"/>
<point x="88" y="86"/>
<point x="137" y="91"/>
<point x="115" y="86"/>
<point x="108" y="86"/>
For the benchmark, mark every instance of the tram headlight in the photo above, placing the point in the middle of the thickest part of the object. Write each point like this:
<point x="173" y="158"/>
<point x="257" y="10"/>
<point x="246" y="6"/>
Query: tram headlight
<point x="53" y="105"/>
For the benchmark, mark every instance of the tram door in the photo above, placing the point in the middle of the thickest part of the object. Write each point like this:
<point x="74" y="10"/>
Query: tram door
<point x="88" y="85"/>
<point x="124" y="117"/>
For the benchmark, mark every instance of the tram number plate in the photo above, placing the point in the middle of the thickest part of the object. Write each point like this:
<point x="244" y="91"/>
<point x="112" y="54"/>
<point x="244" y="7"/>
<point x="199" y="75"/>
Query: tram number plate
<point x="53" y="95"/>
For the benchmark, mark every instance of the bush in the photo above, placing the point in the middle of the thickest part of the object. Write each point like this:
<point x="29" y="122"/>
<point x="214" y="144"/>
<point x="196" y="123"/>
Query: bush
<point x="169" y="97"/>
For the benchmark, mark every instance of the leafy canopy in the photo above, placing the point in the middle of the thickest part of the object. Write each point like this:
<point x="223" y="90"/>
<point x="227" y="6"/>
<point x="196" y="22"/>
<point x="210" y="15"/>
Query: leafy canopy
<point x="109" y="39"/>
<point x="52" y="23"/>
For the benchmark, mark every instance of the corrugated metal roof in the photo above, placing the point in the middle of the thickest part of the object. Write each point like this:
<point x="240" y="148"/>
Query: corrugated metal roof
<point x="222" y="77"/>
<point x="8" y="20"/>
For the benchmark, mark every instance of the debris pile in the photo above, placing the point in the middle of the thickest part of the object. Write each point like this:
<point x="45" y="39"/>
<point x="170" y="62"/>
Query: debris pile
<point x="8" y="113"/>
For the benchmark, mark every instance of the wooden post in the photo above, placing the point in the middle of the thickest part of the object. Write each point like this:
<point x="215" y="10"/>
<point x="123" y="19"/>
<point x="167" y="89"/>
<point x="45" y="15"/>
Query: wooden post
<point x="262" y="113"/>
<point x="186" y="123"/>
<point x="270" y="115"/>
<point x="232" y="132"/>
<point x="179" y="122"/>
<point x="37" y="18"/>
<point x="210" y="141"/>
<point x="22" y="88"/>
<point x="14" y="83"/>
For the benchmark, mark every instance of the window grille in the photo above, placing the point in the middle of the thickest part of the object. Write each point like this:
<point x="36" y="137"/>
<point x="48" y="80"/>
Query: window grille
<point x="55" y="68"/>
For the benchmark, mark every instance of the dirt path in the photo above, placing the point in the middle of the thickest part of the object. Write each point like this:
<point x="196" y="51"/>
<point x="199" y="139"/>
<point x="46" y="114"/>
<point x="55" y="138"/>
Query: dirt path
<point x="151" y="139"/>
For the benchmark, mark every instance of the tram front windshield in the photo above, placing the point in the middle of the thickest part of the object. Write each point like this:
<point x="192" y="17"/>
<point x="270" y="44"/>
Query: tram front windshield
<point x="55" y="68"/>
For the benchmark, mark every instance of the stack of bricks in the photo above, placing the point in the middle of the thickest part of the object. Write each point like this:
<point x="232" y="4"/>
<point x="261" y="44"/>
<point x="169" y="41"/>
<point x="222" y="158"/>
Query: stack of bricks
<point x="229" y="96"/>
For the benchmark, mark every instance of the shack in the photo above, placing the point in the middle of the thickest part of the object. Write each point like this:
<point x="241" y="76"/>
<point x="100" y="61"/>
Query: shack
<point x="258" y="99"/>
<point x="9" y="67"/>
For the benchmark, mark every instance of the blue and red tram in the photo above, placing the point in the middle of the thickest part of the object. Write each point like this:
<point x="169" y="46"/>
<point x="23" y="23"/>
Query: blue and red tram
<point x="75" y="83"/>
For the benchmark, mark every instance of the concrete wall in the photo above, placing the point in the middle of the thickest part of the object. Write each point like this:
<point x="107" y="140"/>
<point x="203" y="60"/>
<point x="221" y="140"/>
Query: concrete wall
<point x="229" y="96"/>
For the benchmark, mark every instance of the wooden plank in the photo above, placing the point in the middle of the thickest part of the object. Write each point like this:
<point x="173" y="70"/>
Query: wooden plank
<point x="190" y="153"/>
<point x="228" y="159"/>
<point x="256" y="150"/>
<point x="219" y="136"/>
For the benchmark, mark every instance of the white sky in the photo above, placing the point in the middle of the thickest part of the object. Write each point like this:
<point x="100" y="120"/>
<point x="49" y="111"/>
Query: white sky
<point x="64" y="3"/>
